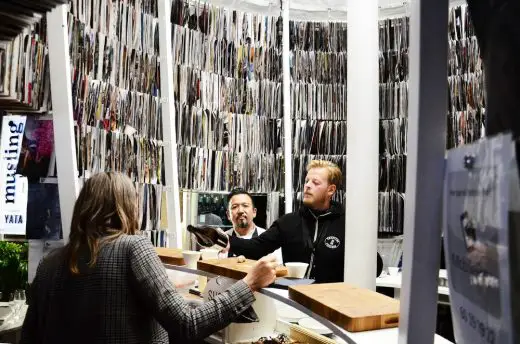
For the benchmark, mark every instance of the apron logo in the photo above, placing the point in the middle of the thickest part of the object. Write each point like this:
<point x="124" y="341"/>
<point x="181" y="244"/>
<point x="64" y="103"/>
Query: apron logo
<point x="332" y="242"/>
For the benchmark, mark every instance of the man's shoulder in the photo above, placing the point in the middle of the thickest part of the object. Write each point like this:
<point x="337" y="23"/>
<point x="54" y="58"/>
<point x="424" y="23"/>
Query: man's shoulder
<point x="291" y="216"/>
<point x="289" y="220"/>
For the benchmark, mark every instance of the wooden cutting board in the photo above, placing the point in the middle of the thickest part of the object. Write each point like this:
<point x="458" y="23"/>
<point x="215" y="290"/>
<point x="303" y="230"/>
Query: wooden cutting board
<point x="354" y="309"/>
<point x="172" y="256"/>
<point x="230" y="267"/>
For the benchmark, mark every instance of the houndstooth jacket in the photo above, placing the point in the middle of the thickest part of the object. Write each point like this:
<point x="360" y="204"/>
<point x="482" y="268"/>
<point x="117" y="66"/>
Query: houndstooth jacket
<point x="125" y="298"/>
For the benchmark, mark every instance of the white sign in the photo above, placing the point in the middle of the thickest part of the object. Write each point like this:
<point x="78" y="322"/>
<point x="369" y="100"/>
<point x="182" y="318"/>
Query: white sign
<point x="219" y="285"/>
<point x="13" y="187"/>
<point x="216" y="286"/>
<point x="477" y="195"/>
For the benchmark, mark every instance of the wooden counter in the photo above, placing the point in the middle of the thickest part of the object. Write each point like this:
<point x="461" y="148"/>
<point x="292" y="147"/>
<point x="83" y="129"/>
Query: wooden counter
<point x="351" y="308"/>
<point x="171" y="256"/>
<point x="231" y="268"/>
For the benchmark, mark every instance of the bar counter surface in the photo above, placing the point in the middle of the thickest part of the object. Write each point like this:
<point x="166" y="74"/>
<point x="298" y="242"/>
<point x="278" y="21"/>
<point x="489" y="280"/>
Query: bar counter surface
<point x="387" y="336"/>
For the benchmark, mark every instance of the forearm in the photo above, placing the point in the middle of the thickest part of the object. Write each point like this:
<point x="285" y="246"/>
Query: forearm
<point x="197" y="323"/>
<point x="258" y="247"/>
<point x="169" y="307"/>
<point x="248" y="248"/>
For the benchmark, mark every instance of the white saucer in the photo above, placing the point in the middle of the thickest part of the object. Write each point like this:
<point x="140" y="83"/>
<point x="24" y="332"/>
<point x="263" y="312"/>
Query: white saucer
<point x="314" y="326"/>
<point x="288" y="313"/>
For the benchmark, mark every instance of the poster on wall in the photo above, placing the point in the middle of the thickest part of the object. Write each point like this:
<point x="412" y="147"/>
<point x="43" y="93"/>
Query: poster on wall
<point x="477" y="195"/>
<point x="37" y="149"/>
<point x="13" y="187"/>
<point x="44" y="207"/>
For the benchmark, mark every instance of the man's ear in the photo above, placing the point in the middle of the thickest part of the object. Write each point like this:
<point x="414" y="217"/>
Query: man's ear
<point x="228" y="215"/>
<point x="254" y="213"/>
<point x="331" y="190"/>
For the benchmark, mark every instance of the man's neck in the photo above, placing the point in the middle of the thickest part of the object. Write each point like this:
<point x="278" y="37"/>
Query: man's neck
<point x="245" y="231"/>
<point x="320" y="208"/>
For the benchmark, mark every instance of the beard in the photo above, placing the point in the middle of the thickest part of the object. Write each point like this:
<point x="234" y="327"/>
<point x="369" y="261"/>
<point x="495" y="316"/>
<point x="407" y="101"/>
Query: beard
<point x="314" y="201"/>
<point x="242" y="223"/>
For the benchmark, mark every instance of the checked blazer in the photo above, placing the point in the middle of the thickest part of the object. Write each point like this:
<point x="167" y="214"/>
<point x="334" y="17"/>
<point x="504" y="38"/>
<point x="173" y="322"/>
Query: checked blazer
<point x="126" y="298"/>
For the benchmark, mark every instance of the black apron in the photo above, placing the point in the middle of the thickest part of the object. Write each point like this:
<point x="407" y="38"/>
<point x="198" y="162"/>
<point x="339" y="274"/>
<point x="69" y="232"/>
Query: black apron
<point x="255" y="234"/>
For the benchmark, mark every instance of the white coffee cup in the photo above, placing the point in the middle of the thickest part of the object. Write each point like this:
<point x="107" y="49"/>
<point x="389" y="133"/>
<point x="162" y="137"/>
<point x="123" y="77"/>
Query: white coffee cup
<point x="191" y="258"/>
<point x="209" y="253"/>
<point x="296" y="270"/>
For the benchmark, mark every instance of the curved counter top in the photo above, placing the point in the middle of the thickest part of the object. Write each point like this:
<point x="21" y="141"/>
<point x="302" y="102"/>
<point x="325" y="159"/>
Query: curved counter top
<point x="339" y="335"/>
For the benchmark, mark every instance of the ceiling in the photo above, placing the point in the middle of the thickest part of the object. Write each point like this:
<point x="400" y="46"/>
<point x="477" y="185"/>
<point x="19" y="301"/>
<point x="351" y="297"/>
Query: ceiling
<point x="327" y="10"/>
<point x="334" y="10"/>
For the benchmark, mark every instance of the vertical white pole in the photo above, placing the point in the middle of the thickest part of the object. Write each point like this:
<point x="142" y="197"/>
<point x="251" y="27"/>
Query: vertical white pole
<point x="424" y="169"/>
<point x="63" y="120"/>
<point x="362" y="143"/>
<point x="287" y="123"/>
<point x="168" y="118"/>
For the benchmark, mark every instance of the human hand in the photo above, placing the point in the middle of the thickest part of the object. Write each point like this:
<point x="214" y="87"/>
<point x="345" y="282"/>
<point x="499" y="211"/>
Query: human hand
<point x="262" y="274"/>
<point x="227" y="248"/>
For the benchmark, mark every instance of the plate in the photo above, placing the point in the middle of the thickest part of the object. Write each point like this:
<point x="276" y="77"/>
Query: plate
<point x="288" y="313"/>
<point x="314" y="326"/>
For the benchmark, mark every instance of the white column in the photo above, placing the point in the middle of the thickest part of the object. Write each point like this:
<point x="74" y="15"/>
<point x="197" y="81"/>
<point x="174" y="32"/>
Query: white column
<point x="168" y="120"/>
<point x="362" y="143"/>
<point x="424" y="169"/>
<point x="63" y="121"/>
<point x="287" y="122"/>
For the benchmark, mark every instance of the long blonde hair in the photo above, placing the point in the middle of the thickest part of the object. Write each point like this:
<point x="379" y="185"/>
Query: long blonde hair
<point x="105" y="209"/>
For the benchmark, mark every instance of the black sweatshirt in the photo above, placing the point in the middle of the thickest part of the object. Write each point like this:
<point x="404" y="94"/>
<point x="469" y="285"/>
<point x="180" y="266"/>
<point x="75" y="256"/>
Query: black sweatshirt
<point x="295" y="233"/>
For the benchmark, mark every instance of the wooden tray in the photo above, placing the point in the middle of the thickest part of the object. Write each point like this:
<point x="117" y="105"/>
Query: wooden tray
<point x="231" y="268"/>
<point x="351" y="308"/>
<point x="172" y="256"/>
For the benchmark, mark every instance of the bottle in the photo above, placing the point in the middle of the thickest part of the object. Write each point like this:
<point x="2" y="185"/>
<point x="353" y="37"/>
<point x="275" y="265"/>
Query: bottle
<point x="209" y="236"/>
